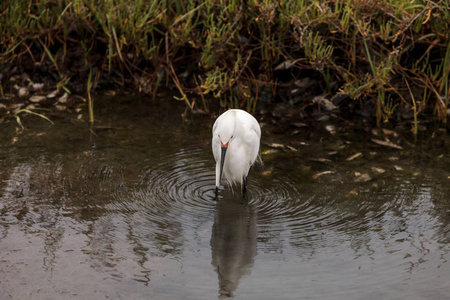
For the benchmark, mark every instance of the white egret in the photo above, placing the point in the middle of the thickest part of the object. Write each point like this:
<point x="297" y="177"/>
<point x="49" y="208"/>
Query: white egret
<point x="235" y="145"/>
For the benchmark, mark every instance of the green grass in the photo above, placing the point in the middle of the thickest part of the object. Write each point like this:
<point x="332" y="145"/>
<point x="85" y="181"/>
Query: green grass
<point x="231" y="48"/>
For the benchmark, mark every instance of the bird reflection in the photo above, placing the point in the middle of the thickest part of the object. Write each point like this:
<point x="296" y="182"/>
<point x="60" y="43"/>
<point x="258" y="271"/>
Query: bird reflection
<point x="233" y="243"/>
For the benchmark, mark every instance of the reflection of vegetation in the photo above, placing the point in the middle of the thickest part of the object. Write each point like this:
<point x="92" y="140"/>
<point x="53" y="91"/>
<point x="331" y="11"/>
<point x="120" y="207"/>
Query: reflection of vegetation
<point x="369" y="47"/>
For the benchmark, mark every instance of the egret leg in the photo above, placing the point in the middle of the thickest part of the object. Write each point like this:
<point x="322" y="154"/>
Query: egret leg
<point x="217" y="192"/>
<point x="244" y="186"/>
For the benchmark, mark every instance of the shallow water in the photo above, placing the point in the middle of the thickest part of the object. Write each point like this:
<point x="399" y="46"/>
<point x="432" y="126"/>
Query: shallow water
<point x="129" y="213"/>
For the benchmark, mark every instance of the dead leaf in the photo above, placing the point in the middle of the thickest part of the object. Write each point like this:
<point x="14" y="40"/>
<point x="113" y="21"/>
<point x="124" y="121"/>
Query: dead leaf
<point x="363" y="178"/>
<point x="320" y="159"/>
<point x="322" y="173"/>
<point x="287" y="64"/>
<point x="354" y="156"/>
<point x="276" y="146"/>
<point x="270" y="151"/>
<point x="378" y="170"/>
<point x="353" y="192"/>
<point x="268" y="171"/>
<point x="386" y="143"/>
<point x="291" y="148"/>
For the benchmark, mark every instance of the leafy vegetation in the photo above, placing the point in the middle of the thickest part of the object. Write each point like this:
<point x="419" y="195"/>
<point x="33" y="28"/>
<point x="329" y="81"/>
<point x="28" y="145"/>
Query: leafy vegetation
<point x="395" y="54"/>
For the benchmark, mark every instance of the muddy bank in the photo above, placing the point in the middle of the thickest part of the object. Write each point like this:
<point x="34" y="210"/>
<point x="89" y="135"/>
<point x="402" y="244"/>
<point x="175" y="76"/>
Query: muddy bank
<point x="26" y="94"/>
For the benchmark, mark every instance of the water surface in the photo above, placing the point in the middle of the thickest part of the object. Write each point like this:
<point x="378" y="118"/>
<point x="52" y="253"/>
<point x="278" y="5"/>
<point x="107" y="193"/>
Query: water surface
<point x="129" y="213"/>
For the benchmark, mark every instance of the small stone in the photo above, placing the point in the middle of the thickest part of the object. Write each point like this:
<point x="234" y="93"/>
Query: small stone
<point x="324" y="103"/>
<point x="331" y="129"/>
<point x="37" y="98"/>
<point x="36" y="86"/>
<point x="52" y="94"/>
<point x="23" y="92"/>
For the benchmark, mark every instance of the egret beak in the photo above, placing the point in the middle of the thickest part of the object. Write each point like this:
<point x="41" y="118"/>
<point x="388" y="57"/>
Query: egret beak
<point x="222" y="157"/>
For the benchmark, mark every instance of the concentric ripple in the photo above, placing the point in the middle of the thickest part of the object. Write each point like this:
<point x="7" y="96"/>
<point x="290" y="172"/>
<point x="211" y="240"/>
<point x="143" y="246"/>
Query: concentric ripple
<point x="316" y="215"/>
<point x="179" y="188"/>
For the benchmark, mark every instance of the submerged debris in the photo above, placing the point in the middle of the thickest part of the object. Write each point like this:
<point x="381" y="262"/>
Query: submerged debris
<point x="398" y="168"/>
<point x="268" y="171"/>
<point x="322" y="173"/>
<point x="362" y="177"/>
<point x="270" y="151"/>
<point x="386" y="143"/>
<point x="354" y="156"/>
<point x="280" y="146"/>
<point x="276" y="146"/>
<point x="378" y="170"/>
